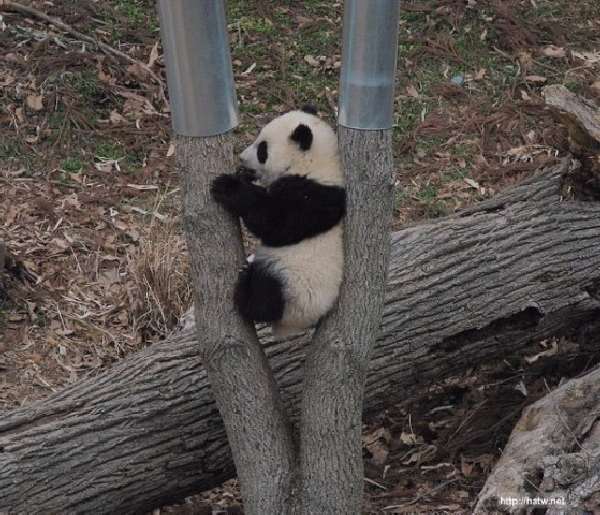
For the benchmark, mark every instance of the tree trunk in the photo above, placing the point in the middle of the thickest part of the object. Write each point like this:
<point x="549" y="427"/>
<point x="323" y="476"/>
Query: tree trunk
<point x="553" y="454"/>
<point x="237" y="368"/>
<point x="338" y="359"/>
<point x="461" y="291"/>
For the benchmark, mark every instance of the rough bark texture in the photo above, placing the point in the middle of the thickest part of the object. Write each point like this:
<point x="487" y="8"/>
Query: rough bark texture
<point x="337" y="362"/>
<point x="461" y="291"/>
<point x="553" y="453"/>
<point x="237" y="368"/>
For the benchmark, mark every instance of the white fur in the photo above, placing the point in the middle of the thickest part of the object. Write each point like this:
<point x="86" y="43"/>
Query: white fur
<point x="320" y="163"/>
<point x="311" y="269"/>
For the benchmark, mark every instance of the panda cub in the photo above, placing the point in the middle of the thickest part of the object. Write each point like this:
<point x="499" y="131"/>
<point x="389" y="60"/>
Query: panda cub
<point x="290" y="194"/>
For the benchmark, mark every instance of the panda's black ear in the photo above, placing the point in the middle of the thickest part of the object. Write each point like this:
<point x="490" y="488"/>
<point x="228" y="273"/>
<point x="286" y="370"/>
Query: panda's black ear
<point x="309" y="108"/>
<point x="303" y="136"/>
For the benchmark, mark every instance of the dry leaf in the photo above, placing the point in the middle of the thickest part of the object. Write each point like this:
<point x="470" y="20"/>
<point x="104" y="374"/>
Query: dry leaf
<point x="104" y="77"/>
<point x="411" y="91"/>
<point x="116" y="118"/>
<point x="143" y="187"/>
<point x="248" y="70"/>
<point x="408" y="438"/>
<point x="595" y="87"/>
<point x="60" y="243"/>
<point x="536" y="78"/>
<point x="554" y="51"/>
<point x="7" y="79"/>
<point x="153" y="55"/>
<point x="304" y="22"/>
<point x="377" y="444"/>
<point x="139" y="71"/>
<point x="466" y="468"/>
<point x="107" y="165"/>
<point x="552" y="351"/>
<point x="472" y="183"/>
<point x="525" y="59"/>
<point x="590" y="58"/>
<point x="521" y="387"/>
<point x="311" y="60"/>
<point x="34" y="102"/>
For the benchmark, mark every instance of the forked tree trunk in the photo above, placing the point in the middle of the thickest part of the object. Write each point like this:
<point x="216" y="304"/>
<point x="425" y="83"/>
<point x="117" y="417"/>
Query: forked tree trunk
<point x="338" y="359"/>
<point x="461" y="291"/>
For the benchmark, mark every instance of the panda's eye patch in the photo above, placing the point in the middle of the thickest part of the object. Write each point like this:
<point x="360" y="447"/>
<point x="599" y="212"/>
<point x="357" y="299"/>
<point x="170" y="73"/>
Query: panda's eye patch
<point x="303" y="136"/>
<point x="262" y="153"/>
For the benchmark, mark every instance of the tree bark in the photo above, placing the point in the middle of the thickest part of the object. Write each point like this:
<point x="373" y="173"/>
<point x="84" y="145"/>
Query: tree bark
<point x="553" y="453"/>
<point x="337" y="362"/>
<point x="237" y="368"/>
<point x="461" y="291"/>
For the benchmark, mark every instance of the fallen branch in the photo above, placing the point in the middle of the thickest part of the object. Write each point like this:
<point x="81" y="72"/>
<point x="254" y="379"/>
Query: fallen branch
<point x="9" y="5"/>
<point x="461" y="291"/>
<point x="553" y="454"/>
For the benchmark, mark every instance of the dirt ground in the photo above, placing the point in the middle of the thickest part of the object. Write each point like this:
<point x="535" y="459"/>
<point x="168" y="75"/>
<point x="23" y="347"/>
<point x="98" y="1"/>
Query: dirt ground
<point x="89" y="197"/>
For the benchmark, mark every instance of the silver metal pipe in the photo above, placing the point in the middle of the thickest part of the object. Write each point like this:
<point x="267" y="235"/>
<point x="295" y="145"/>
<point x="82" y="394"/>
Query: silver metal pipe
<point x="198" y="60"/>
<point x="369" y="63"/>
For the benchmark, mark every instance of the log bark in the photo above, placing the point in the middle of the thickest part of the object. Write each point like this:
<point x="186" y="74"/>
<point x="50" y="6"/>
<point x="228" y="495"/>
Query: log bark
<point x="461" y="291"/>
<point x="242" y="381"/>
<point x="553" y="455"/>
<point x="338" y="359"/>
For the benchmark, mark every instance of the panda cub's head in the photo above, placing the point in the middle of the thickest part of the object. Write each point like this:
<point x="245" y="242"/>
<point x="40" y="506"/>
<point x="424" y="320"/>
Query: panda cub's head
<point x="296" y="143"/>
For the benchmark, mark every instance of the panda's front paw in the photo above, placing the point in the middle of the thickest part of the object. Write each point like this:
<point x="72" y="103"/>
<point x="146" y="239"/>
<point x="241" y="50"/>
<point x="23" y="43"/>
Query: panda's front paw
<point x="246" y="174"/>
<point x="225" y="189"/>
<point x="224" y="186"/>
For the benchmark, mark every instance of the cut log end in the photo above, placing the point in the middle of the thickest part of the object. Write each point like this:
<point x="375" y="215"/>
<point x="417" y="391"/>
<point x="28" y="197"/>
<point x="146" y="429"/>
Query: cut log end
<point x="552" y="456"/>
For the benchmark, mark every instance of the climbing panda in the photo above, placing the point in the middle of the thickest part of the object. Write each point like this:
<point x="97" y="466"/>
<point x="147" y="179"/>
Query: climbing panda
<point x="290" y="194"/>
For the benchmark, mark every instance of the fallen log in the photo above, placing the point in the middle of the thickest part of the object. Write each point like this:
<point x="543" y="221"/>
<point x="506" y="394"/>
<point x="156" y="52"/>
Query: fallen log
<point x="461" y="291"/>
<point x="552" y="459"/>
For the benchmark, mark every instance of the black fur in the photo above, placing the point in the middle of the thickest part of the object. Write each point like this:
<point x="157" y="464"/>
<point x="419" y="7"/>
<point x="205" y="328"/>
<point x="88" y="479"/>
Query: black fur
<point x="236" y="193"/>
<point x="292" y="209"/>
<point x="246" y="174"/>
<point x="310" y="109"/>
<point x="259" y="294"/>
<point x="303" y="136"/>
<point x="262" y="152"/>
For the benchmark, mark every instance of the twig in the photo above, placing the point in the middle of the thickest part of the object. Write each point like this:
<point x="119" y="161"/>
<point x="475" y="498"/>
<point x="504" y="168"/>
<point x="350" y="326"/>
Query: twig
<point x="9" y="5"/>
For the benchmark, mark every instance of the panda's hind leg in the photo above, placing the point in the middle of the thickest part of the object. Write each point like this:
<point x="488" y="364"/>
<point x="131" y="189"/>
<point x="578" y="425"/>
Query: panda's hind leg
<point x="259" y="293"/>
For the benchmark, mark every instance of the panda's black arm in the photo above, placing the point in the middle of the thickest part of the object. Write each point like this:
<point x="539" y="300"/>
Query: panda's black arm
<point x="297" y="208"/>
<point x="292" y="209"/>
